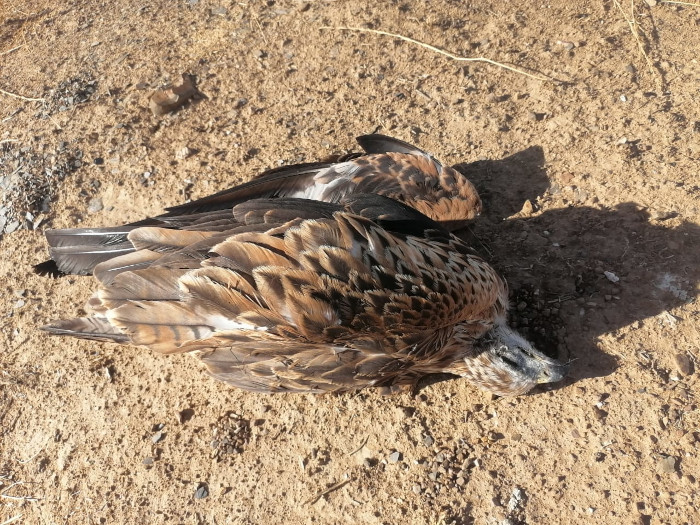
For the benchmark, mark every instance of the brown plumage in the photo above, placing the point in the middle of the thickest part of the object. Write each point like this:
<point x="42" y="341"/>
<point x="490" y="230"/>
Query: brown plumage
<point x="388" y="167"/>
<point x="305" y="296"/>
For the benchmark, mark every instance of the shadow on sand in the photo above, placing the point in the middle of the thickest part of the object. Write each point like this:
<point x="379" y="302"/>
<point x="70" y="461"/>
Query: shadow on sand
<point x="555" y="262"/>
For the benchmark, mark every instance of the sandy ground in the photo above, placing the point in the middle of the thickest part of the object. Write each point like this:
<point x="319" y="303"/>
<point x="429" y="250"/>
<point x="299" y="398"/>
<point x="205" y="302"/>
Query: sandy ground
<point x="591" y="172"/>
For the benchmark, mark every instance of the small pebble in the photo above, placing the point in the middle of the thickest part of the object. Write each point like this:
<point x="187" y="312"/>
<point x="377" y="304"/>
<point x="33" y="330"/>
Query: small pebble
<point x="95" y="205"/>
<point x="684" y="364"/>
<point x="148" y="461"/>
<point x="394" y="457"/>
<point x="417" y="489"/>
<point x="428" y="441"/>
<point x="183" y="153"/>
<point x="611" y="277"/>
<point x="157" y="437"/>
<point x="666" y="465"/>
<point x="201" y="492"/>
<point x="515" y="499"/>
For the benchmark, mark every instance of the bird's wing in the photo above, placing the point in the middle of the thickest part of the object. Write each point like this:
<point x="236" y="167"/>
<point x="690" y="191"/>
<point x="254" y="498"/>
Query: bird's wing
<point x="371" y="277"/>
<point x="297" y="180"/>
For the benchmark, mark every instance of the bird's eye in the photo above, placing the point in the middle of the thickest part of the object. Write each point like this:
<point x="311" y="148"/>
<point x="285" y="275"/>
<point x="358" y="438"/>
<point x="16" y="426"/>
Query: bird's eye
<point x="509" y="362"/>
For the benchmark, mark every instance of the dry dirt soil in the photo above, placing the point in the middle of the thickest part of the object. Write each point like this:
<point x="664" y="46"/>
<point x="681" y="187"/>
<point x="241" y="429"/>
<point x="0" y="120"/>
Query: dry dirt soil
<point x="590" y="183"/>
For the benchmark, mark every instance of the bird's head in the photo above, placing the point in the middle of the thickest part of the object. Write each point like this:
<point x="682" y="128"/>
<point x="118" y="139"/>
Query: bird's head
<point x="505" y="364"/>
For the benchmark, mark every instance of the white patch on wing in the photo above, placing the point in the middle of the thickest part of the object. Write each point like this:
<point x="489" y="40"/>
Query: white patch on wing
<point x="324" y="185"/>
<point x="226" y="323"/>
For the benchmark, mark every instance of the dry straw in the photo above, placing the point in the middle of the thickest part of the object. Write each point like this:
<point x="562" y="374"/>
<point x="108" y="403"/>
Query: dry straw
<point x="434" y="49"/>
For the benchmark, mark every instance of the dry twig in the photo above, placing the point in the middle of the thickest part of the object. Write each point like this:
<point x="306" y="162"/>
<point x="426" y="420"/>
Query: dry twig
<point x="441" y="51"/>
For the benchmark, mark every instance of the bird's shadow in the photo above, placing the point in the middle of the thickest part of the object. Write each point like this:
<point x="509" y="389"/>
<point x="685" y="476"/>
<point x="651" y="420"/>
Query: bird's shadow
<point x="562" y="265"/>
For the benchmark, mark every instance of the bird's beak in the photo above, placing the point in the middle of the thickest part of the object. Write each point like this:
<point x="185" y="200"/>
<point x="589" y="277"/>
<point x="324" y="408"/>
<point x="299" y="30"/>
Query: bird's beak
<point x="551" y="371"/>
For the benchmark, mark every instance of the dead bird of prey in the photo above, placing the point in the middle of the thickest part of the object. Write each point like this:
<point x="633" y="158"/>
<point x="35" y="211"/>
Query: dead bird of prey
<point x="389" y="167"/>
<point x="297" y="295"/>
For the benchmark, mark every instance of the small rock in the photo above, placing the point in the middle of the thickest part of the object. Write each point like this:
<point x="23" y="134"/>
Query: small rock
<point x="184" y="153"/>
<point x="148" y="461"/>
<point x="662" y="215"/>
<point x="515" y="499"/>
<point x="684" y="364"/>
<point x="219" y="11"/>
<point x="611" y="277"/>
<point x="202" y="491"/>
<point x="394" y="457"/>
<point x="666" y="465"/>
<point x="95" y="205"/>
<point x="157" y="437"/>
<point x="527" y="208"/>
<point x="417" y="489"/>
<point x="98" y="161"/>
<point x="428" y="441"/>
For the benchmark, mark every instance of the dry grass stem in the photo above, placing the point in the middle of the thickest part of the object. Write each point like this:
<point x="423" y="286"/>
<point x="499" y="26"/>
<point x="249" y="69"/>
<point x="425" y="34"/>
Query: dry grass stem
<point x="330" y="489"/>
<point x="28" y="99"/>
<point x="17" y="498"/>
<point x="441" y="51"/>
<point x="12" y="519"/>
<point x="679" y="3"/>
<point x="360" y="447"/>
<point x="11" y="50"/>
<point x="635" y="33"/>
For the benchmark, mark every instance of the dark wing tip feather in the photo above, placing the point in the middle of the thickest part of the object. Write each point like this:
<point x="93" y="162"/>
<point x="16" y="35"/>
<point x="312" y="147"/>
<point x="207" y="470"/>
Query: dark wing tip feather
<point x="376" y="143"/>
